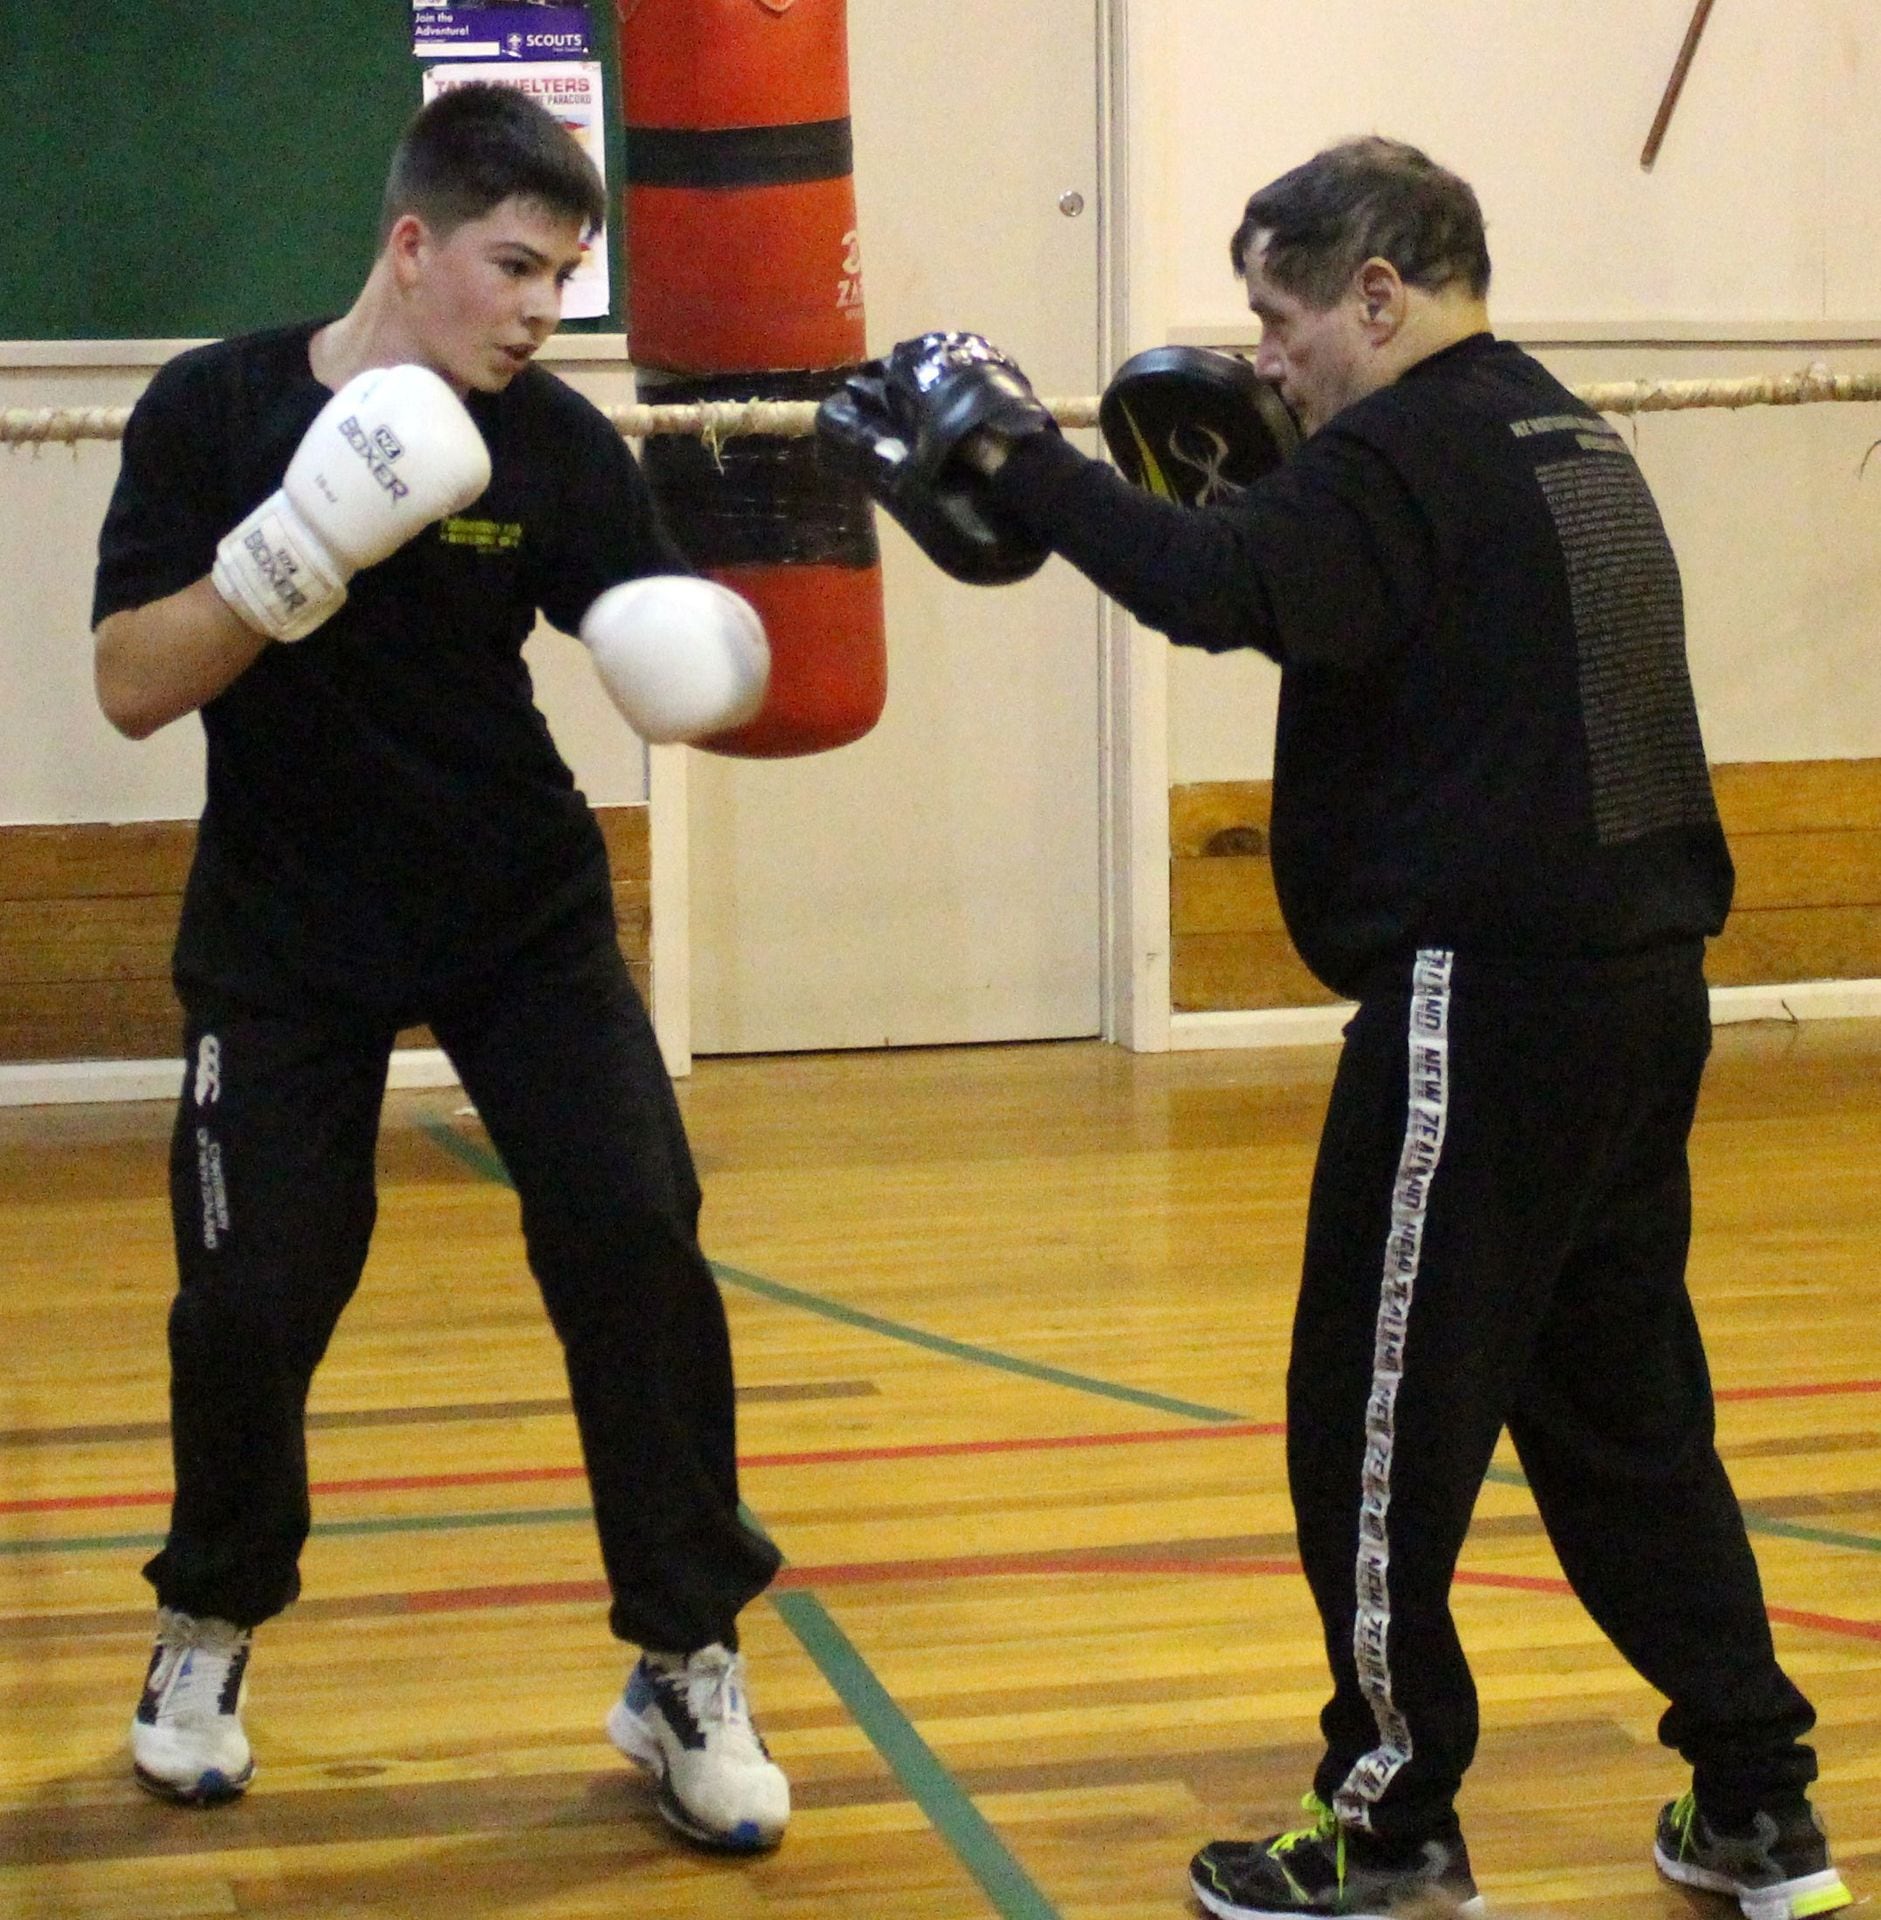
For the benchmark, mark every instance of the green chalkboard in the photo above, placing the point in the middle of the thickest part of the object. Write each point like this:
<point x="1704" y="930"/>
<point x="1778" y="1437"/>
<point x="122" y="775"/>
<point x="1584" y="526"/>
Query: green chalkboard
<point x="190" y="170"/>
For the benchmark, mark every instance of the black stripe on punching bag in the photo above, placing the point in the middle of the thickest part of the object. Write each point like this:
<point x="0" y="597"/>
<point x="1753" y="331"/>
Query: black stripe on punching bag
<point x="739" y="156"/>
<point x="765" y="499"/>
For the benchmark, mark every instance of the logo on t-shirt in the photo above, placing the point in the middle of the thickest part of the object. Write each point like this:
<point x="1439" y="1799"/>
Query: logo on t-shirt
<point x="482" y="536"/>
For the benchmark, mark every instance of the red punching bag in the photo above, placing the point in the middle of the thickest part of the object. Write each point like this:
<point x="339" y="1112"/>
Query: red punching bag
<point x="744" y="282"/>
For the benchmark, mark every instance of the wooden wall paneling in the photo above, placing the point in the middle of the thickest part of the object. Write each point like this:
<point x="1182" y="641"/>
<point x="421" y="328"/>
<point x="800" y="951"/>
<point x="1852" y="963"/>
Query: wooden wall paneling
<point x="625" y="829"/>
<point x="1775" y="945"/>
<point x="88" y="918"/>
<point x="90" y="1020"/>
<point x="143" y="857"/>
<point x="1768" y="796"/>
<point x="1226" y="972"/>
<point x="1229" y="948"/>
<point x="1806" y="837"/>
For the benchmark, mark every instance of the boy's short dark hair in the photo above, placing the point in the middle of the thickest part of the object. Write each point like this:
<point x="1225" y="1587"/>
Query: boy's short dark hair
<point x="1365" y="199"/>
<point x="474" y="147"/>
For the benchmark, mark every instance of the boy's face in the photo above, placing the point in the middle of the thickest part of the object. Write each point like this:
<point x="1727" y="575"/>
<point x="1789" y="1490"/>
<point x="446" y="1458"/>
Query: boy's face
<point x="482" y="298"/>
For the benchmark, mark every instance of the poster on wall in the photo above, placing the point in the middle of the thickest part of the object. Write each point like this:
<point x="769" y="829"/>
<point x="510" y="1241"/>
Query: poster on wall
<point x="571" y="90"/>
<point x="499" y="33"/>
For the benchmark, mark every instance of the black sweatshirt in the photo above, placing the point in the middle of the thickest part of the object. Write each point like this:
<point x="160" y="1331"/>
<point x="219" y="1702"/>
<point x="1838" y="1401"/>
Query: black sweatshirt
<point x="1487" y="740"/>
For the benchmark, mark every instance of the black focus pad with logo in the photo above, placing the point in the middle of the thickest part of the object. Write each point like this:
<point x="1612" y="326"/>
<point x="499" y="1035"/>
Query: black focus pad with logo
<point x="900" y="424"/>
<point x="1193" y="425"/>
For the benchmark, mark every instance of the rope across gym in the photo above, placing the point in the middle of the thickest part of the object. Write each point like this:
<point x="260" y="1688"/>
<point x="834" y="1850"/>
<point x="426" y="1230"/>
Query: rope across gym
<point x="719" y="420"/>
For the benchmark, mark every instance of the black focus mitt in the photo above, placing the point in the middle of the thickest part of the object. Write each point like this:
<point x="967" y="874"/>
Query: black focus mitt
<point x="902" y="426"/>
<point x="1193" y="425"/>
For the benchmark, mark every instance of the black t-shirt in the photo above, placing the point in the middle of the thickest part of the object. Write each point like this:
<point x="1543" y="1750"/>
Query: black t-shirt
<point x="386" y="812"/>
<point x="1487" y="739"/>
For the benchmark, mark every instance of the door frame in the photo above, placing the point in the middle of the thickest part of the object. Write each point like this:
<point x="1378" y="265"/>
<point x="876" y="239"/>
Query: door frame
<point x="1134" y="681"/>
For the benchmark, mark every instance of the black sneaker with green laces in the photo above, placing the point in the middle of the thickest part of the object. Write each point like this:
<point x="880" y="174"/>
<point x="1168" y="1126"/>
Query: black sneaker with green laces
<point x="1777" y="1868"/>
<point x="1328" y="1869"/>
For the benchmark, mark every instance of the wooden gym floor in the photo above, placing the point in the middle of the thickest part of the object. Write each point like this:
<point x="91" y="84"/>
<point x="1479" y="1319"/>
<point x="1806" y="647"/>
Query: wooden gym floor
<point x="1011" y="1325"/>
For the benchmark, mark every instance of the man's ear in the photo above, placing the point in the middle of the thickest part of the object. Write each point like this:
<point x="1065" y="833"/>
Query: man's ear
<point x="1381" y="298"/>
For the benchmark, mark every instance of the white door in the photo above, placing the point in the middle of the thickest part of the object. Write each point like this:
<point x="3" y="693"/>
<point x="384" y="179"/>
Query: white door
<point x="938" y="881"/>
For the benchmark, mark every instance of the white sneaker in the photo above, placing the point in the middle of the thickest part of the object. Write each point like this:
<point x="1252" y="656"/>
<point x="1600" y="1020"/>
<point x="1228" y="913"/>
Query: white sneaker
<point x="186" y="1737"/>
<point x="686" y="1720"/>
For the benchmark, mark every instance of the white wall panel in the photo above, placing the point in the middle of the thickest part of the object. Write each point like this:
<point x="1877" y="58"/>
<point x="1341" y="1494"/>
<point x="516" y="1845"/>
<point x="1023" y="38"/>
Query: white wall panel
<point x="1545" y="107"/>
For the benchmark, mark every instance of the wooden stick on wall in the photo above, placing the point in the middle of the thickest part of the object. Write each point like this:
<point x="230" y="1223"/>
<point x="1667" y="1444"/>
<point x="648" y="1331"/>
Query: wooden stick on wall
<point x="1663" y="118"/>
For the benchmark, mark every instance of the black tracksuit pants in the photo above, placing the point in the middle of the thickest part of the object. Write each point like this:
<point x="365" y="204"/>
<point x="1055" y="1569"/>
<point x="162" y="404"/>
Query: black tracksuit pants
<point x="274" y="1200"/>
<point x="1497" y="1237"/>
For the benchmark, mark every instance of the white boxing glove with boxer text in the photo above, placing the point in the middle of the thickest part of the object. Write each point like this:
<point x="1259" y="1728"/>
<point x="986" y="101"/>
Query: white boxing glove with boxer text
<point x="392" y="451"/>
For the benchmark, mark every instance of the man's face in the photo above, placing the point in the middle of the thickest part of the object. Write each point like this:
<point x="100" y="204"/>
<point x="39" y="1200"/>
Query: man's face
<point x="1319" y="357"/>
<point x="485" y="296"/>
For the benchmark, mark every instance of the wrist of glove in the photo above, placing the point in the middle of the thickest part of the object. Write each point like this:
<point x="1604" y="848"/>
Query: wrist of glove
<point x="922" y="430"/>
<point x="276" y="574"/>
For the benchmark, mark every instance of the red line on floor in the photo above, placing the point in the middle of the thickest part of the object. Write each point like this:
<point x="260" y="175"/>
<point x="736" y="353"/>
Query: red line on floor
<point x="841" y="1456"/>
<point x="829" y="1456"/>
<point x="939" y="1449"/>
<point x="1077" y="1561"/>
<point x="1803" y="1390"/>
<point x="1826" y="1622"/>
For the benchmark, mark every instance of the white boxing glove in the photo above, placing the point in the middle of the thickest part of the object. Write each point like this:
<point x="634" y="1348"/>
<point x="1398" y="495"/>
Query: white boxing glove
<point x="392" y="451"/>
<point x="681" y="658"/>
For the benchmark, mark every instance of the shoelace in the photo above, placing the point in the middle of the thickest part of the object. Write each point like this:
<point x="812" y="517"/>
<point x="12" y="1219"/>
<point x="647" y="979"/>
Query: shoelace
<point x="192" y="1689"/>
<point x="1325" y="1827"/>
<point x="714" y="1696"/>
<point x="1684" y="1813"/>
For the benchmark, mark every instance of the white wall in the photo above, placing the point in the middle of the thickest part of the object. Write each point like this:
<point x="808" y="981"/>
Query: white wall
<point x="1761" y="205"/>
<point x="59" y="760"/>
<point x="1750" y="248"/>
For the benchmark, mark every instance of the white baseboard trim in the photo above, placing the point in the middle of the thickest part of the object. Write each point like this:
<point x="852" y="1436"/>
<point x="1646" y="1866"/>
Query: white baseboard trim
<point x="1321" y="1026"/>
<point x="76" y="1082"/>
<point x="1800" y="1000"/>
<point x="1263" y="1027"/>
